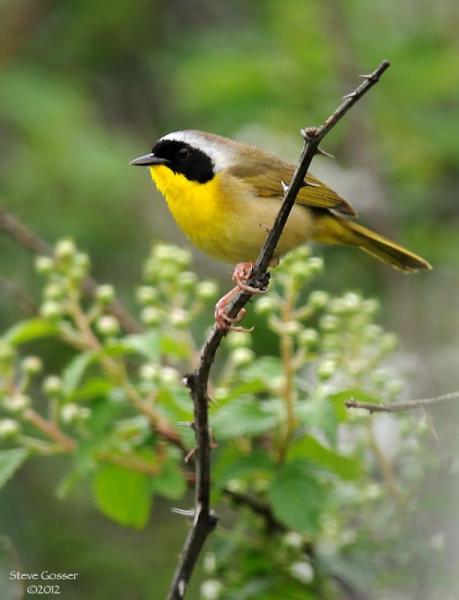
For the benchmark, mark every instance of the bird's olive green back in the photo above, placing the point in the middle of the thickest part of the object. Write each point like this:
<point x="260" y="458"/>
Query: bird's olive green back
<point x="267" y="173"/>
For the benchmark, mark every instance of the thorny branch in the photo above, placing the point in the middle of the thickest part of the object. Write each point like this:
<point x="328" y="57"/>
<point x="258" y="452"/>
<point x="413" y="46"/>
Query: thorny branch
<point x="402" y="406"/>
<point x="204" y="519"/>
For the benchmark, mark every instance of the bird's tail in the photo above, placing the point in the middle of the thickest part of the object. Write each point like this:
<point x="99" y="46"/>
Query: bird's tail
<point x="335" y="230"/>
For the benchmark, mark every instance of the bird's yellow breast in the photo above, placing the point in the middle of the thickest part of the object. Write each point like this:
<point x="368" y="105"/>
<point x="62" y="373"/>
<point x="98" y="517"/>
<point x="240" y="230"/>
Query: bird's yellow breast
<point x="224" y="218"/>
<point x="200" y="209"/>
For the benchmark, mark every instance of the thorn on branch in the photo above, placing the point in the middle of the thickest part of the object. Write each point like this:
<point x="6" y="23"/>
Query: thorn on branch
<point x="183" y="512"/>
<point x="311" y="183"/>
<point x="348" y="96"/>
<point x="323" y="152"/>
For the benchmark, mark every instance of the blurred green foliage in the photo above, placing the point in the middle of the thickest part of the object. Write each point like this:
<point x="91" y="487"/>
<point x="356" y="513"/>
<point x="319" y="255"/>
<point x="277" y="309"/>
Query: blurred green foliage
<point x="285" y="442"/>
<point x="84" y="88"/>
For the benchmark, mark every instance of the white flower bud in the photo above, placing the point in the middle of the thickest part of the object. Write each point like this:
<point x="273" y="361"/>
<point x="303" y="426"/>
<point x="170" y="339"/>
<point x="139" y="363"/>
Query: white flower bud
<point x="146" y="294"/>
<point x="108" y="325"/>
<point x="302" y="571"/>
<point x="437" y="541"/>
<point x="239" y="339"/>
<point x="326" y="369"/>
<point x="242" y="356"/>
<point x="65" y="249"/>
<point x="105" y="294"/>
<point x="293" y="539"/>
<point x="44" y="264"/>
<point x="211" y="589"/>
<point x="372" y="491"/>
<point x="169" y="374"/>
<point x="300" y="270"/>
<point x="77" y="274"/>
<point x="329" y="323"/>
<point x="32" y="365"/>
<point x="187" y="280"/>
<point x="72" y="413"/>
<point x="308" y="337"/>
<point x="179" y="318"/>
<point x="9" y="429"/>
<point x="370" y="306"/>
<point x="316" y="264"/>
<point x="16" y="403"/>
<point x="220" y="393"/>
<point x="373" y="332"/>
<point x="51" y="310"/>
<point x="236" y="485"/>
<point x="207" y="290"/>
<point x="352" y="301"/>
<point x="151" y="316"/>
<point x="82" y="261"/>
<point x="318" y="299"/>
<point x="209" y="563"/>
<point x="52" y="385"/>
<point x="181" y="257"/>
<point x="53" y="291"/>
<point x="265" y="305"/>
<point x="149" y="372"/>
<point x="291" y="327"/>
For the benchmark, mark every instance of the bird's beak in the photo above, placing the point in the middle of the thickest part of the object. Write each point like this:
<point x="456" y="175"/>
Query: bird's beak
<point x="148" y="160"/>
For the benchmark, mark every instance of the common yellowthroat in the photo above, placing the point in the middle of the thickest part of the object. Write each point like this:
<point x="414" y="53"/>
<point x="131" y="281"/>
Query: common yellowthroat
<point x="225" y="196"/>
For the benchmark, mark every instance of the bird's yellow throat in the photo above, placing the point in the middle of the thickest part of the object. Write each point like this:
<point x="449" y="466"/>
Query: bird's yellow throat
<point x="197" y="207"/>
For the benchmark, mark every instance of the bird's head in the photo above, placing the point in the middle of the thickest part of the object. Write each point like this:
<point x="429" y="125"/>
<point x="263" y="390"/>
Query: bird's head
<point x="197" y="155"/>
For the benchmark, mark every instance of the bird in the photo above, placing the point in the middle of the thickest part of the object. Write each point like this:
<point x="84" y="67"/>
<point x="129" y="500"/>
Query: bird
<point x="225" y="196"/>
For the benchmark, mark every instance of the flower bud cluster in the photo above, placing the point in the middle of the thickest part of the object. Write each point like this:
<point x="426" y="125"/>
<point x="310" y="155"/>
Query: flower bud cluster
<point x="65" y="272"/>
<point x="172" y="295"/>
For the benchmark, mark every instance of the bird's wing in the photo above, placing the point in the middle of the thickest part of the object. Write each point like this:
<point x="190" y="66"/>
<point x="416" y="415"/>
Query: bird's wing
<point x="267" y="178"/>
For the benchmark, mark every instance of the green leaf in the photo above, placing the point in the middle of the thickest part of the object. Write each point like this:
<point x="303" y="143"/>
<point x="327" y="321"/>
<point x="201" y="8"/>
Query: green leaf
<point x="10" y="461"/>
<point x="32" y="329"/>
<point x="96" y="387"/>
<point x="170" y="482"/>
<point x="244" y="417"/>
<point x="146" y="344"/>
<point x="322" y="414"/>
<point x="175" y="348"/>
<point x="74" y="371"/>
<point x="176" y="402"/>
<point x="266" y="366"/>
<point x="297" y="497"/>
<point x="233" y="464"/>
<point x="311" y="449"/>
<point x="122" y="495"/>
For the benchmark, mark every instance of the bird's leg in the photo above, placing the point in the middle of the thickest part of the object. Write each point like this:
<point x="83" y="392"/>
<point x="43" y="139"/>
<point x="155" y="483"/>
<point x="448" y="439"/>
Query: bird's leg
<point x="241" y="274"/>
<point x="224" y="322"/>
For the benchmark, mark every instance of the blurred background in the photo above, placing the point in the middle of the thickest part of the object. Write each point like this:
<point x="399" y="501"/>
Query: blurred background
<point x="86" y="86"/>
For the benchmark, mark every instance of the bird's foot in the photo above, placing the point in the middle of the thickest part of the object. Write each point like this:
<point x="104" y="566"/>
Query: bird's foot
<point x="223" y="321"/>
<point x="241" y="274"/>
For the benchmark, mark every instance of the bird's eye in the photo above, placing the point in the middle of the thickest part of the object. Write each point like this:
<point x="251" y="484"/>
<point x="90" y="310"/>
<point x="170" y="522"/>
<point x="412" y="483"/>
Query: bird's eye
<point x="183" y="153"/>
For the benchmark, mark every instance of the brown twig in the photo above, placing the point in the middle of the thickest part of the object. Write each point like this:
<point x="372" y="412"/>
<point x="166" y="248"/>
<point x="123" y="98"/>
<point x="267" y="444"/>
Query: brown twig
<point x="402" y="406"/>
<point x="204" y="519"/>
<point x="28" y="239"/>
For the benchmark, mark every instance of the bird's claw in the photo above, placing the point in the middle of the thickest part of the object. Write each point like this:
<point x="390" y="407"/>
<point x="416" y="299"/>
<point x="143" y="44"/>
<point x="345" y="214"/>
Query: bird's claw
<point x="223" y="321"/>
